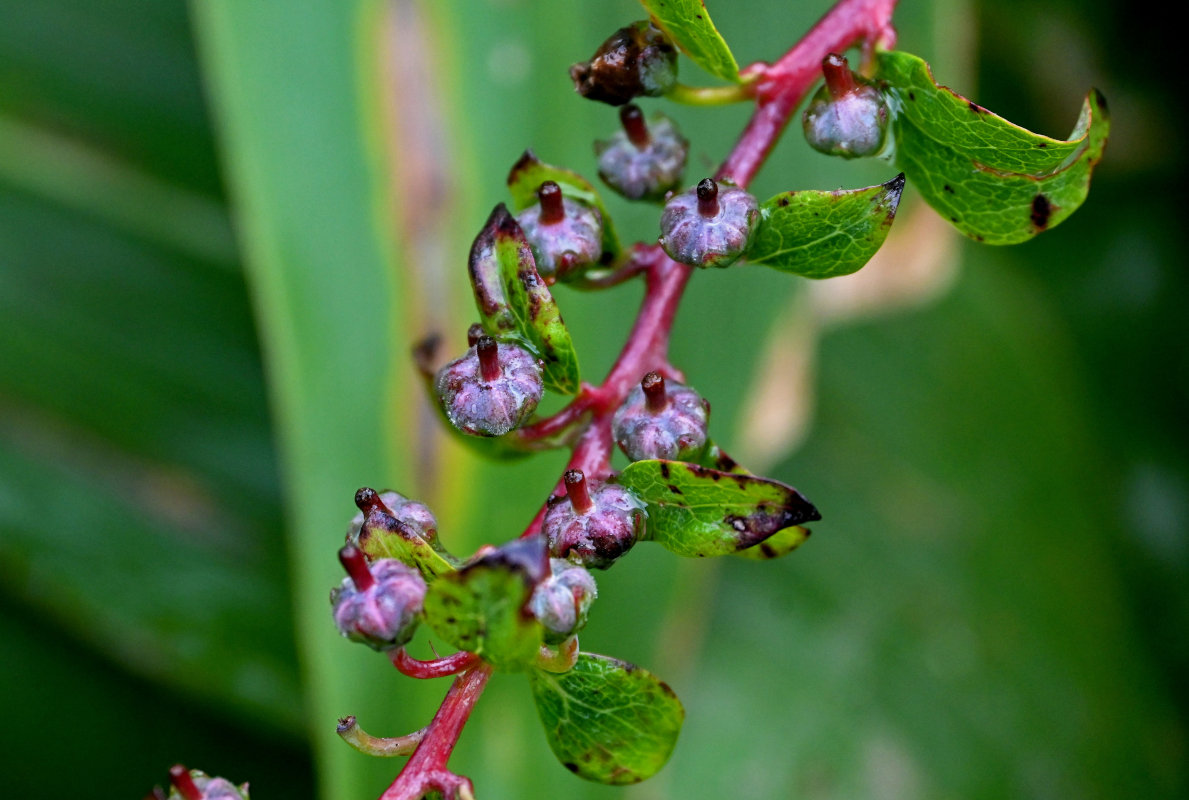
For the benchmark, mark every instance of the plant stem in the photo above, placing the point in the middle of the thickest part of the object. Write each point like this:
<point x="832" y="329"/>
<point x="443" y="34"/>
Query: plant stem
<point x="378" y="746"/>
<point x="435" y="668"/>
<point x="710" y="95"/>
<point x="426" y="771"/>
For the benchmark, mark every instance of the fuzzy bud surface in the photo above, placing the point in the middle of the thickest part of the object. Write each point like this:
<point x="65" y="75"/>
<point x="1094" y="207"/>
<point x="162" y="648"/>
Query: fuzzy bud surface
<point x="566" y="245"/>
<point x="598" y="534"/>
<point x="562" y="601"/>
<point x="710" y="225"/>
<point x="484" y="403"/>
<point x="643" y="167"/>
<point x="385" y="614"/>
<point x="675" y="430"/>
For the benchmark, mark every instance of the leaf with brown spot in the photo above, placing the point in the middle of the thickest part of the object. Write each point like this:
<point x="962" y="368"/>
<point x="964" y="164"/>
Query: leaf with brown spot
<point x="714" y="513"/>
<point x="607" y="720"/>
<point x="996" y="181"/>
<point x="825" y="234"/>
<point x="515" y="304"/>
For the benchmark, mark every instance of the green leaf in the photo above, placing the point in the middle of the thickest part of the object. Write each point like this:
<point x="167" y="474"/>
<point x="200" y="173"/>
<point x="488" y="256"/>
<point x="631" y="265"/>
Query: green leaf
<point x="384" y="536"/>
<point x="607" y="720"/>
<point x="515" y="304"/>
<point x="688" y="24"/>
<point x="825" y="234"/>
<point x="995" y="181"/>
<point x="483" y="608"/>
<point x="527" y="175"/>
<point x="715" y="457"/>
<point x="696" y="511"/>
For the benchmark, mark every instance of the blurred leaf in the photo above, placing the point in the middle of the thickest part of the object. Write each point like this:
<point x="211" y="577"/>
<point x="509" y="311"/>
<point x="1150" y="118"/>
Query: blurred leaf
<point x="484" y="607"/>
<point x="526" y="177"/>
<point x="607" y="720"/>
<point x="825" y="234"/>
<point x="688" y="24"/>
<point x="298" y="100"/>
<point x="995" y="181"/>
<point x="695" y="511"/>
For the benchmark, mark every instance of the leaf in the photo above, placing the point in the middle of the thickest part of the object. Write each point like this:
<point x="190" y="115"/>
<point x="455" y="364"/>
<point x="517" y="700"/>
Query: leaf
<point x="607" y="720"/>
<point x="384" y="536"/>
<point x="688" y="24"/>
<point x="825" y="234"/>
<point x="696" y="511"/>
<point x="514" y="302"/>
<point x="483" y="608"/>
<point x="995" y="181"/>
<point x="778" y="544"/>
<point x="715" y="457"/>
<point x="527" y="175"/>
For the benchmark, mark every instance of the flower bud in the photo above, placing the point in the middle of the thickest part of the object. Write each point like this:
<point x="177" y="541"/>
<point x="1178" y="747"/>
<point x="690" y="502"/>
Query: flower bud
<point x="564" y="234"/>
<point x="193" y="784"/>
<point x="661" y="419"/>
<point x="642" y="162"/>
<point x="492" y="389"/>
<point x="592" y="525"/>
<point x="709" y="226"/>
<point x="378" y="604"/>
<point x="847" y="117"/>
<point x="562" y="601"/>
<point x="634" y="61"/>
<point x="416" y="515"/>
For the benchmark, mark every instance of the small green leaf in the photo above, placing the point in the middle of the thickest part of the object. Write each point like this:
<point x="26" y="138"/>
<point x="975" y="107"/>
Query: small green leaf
<point x="384" y="536"/>
<point x="483" y="608"/>
<point x="515" y="304"/>
<point x="607" y="720"/>
<point x="995" y="181"/>
<point x="825" y="234"/>
<point x="527" y="175"/>
<point x="697" y="511"/>
<point x="688" y="24"/>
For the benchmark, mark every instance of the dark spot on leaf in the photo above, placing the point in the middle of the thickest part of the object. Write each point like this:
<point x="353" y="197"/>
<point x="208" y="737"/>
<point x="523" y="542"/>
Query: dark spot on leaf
<point x="1100" y="99"/>
<point x="783" y="201"/>
<point x="1042" y="209"/>
<point x="675" y="490"/>
<point x="978" y="237"/>
<point x="767" y="550"/>
<point x="571" y="766"/>
<point x="948" y="188"/>
<point x="664" y="470"/>
<point x="1042" y="144"/>
<point x="451" y="620"/>
<point x="976" y="108"/>
<point x="912" y="96"/>
<point x="953" y="219"/>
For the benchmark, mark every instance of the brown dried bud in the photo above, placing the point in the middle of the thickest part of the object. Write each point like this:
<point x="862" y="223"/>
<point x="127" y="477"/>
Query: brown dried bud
<point x="634" y="61"/>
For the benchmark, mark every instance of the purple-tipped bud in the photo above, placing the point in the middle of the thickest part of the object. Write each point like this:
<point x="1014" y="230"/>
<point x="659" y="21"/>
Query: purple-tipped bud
<point x="562" y="601"/>
<point x="634" y="61"/>
<point x="416" y="515"/>
<point x="197" y="785"/>
<point x="846" y="117"/>
<point x="710" y="225"/>
<point x="490" y="390"/>
<point x="595" y="524"/>
<point x="661" y="419"/>
<point x="642" y="162"/>
<point x="378" y="604"/>
<point x="565" y="235"/>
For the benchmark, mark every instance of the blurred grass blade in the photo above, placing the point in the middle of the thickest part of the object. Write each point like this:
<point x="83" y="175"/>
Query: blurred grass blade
<point x="297" y="99"/>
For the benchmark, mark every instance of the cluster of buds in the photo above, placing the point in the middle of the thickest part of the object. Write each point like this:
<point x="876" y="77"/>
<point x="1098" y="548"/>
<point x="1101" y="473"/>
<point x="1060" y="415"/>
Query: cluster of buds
<point x="710" y="225"/>
<point x="848" y="116"/>
<point x="643" y="161"/>
<point x="661" y="419"/>
<point x="492" y="389"/>
<point x="565" y="235"/>
<point x="592" y="525"/>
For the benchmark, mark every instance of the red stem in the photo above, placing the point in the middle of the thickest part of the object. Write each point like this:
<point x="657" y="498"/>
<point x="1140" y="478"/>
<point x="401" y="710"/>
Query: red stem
<point x="840" y="81"/>
<point x="435" y="668"/>
<point x="179" y="776"/>
<point x="426" y="769"/>
<point x="355" y="563"/>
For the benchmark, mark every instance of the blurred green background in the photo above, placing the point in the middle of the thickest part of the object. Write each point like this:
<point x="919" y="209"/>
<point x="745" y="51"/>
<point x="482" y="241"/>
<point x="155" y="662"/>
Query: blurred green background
<point x="208" y="290"/>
